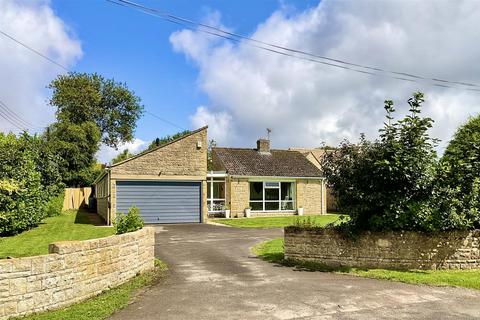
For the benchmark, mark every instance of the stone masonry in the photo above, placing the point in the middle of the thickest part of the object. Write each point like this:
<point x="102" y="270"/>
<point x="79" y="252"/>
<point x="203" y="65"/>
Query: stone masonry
<point x="389" y="250"/>
<point x="73" y="271"/>
<point x="309" y="196"/>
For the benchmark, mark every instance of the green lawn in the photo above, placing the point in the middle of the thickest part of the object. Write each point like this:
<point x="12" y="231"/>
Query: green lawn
<point x="273" y="251"/>
<point x="70" y="225"/>
<point x="277" y="222"/>
<point x="105" y="304"/>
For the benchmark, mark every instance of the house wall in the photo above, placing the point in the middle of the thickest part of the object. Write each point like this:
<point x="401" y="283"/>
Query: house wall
<point x="238" y="194"/>
<point x="309" y="196"/>
<point x="102" y="194"/>
<point x="177" y="161"/>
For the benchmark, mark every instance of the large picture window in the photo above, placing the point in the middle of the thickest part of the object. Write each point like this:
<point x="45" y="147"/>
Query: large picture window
<point x="272" y="196"/>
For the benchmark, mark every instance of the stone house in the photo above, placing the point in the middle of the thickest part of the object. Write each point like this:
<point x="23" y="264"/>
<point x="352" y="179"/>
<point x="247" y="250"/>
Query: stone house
<point x="170" y="183"/>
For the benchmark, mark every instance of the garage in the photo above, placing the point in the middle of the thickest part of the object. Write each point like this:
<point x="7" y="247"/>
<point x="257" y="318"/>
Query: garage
<point x="161" y="201"/>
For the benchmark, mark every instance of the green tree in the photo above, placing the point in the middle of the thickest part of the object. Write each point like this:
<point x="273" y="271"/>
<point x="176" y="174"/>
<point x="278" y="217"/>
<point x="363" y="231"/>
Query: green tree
<point x="458" y="190"/>
<point x="211" y="144"/>
<point x="76" y="144"/>
<point x="22" y="205"/>
<point x="387" y="184"/>
<point x="82" y="97"/>
<point x="161" y="141"/>
<point x="124" y="155"/>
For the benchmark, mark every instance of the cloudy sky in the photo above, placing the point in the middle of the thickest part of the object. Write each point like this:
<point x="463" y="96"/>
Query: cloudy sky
<point x="193" y="79"/>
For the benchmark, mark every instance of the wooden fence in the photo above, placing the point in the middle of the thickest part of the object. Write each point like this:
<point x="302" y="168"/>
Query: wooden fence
<point x="75" y="198"/>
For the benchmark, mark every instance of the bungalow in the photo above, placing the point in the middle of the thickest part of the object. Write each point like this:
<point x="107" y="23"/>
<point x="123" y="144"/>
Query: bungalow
<point x="170" y="183"/>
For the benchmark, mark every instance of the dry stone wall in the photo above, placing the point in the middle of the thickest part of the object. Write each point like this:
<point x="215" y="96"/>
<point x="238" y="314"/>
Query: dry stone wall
<point x="390" y="250"/>
<point x="73" y="271"/>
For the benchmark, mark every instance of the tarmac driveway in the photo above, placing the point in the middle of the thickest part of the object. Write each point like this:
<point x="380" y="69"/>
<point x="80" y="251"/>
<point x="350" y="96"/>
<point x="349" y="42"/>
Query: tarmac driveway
<point x="213" y="275"/>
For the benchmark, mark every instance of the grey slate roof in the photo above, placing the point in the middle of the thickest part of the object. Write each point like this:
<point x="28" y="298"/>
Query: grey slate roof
<point x="279" y="163"/>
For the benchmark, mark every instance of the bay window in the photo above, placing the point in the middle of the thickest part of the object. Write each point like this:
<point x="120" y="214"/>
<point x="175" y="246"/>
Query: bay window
<point x="272" y="196"/>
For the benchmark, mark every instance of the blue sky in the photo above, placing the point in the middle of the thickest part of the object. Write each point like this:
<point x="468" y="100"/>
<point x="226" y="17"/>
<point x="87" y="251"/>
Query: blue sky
<point x="129" y="46"/>
<point x="193" y="79"/>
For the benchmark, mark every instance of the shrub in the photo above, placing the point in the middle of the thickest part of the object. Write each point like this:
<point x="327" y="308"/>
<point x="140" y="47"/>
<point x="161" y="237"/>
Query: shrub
<point x="457" y="197"/>
<point x="129" y="222"/>
<point x="21" y="196"/>
<point x="54" y="206"/>
<point x="387" y="184"/>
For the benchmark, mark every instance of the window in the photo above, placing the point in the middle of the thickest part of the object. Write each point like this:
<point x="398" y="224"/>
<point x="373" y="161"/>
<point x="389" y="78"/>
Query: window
<point x="216" y="194"/>
<point x="272" y="196"/>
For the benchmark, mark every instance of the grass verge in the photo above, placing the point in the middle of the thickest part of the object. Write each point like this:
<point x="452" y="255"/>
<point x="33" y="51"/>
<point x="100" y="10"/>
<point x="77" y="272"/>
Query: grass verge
<point x="106" y="303"/>
<point x="272" y="251"/>
<point x="70" y="225"/>
<point x="277" y="222"/>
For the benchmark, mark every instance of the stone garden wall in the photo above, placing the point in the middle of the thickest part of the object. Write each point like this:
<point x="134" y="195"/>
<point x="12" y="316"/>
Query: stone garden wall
<point x="389" y="250"/>
<point x="73" y="271"/>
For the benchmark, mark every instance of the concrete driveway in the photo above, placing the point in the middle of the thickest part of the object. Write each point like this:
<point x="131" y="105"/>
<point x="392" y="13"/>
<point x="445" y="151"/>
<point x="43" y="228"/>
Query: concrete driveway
<point x="213" y="275"/>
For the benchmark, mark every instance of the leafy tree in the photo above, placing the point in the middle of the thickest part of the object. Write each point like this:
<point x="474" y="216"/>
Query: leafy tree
<point x="457" y="196"/>
<point x="124" y="155"/>
<point x="387" y="184"/>
<point x="76" y="144"/>
<point x="21" y="200"/>
<point x="211" y="144"/>
<point x="161" y="141"/>
<point x="82" y="97"/>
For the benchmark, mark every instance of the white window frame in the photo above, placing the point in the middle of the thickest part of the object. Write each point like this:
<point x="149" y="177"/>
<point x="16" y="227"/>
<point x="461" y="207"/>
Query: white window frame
<point x="211" y="200"/>
<point x="269" y="185"/>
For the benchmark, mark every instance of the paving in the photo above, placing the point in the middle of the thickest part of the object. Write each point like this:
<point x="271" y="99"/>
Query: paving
<point x="213" y="275"/>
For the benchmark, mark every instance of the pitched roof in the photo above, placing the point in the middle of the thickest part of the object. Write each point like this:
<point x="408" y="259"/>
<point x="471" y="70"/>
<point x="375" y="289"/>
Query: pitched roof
<point x="318" y="153"/>
<point x="278" y="163"/>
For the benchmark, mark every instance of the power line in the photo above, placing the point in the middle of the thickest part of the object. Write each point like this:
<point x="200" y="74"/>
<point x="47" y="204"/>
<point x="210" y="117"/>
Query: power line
<point x="14" y="115"/>
<point x="21" y="123"/>
<point x="33" y="50"/>
<point x="165" y="120"/>
<point x="404" y="76"/>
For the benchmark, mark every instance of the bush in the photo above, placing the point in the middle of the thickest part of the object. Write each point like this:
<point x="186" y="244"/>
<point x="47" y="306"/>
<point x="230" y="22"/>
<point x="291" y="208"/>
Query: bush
<point x="387" y="184"/>
<point x="457" y="196"/>
<point x="21" y="191"/>
<point x="129" y="222"/>
<point x="54" y="206"/>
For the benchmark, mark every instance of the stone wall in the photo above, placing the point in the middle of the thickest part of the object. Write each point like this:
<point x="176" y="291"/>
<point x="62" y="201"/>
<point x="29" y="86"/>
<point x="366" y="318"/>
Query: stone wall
<point x="73" y="271"/>
<point x="389" y="250"/>
<point x="309" y="196"/>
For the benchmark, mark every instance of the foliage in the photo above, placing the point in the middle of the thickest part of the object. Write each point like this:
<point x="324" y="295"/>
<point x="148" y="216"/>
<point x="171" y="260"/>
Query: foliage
<point x="124" y="155"/>
<point x="21" y="205"/>
<point x="47" y="162"/>
<point x="84" y="98"/>
<point x="69" y="225"/>
<point x="161" y="141"/>
<point x="76" y="145"/>
<point x="129" y="222"/>
<point x="387" y="184"/>
<point x="54" y="206"/>
<point x="211" y="144"/>
<point x="273" y="251"/>
<point x="457" y="197"/>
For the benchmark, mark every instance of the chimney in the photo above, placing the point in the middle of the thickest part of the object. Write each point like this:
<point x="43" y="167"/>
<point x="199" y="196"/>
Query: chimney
<point x="263" y="145"/>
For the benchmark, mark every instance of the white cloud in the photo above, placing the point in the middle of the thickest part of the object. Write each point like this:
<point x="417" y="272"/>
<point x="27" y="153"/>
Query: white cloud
<point x="23" y="74"/>
<point x="307" y="103"/>
<point x="106" y="153"/>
